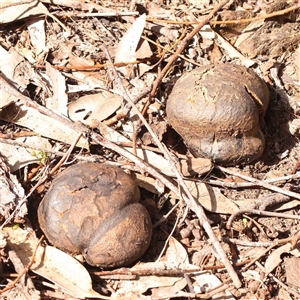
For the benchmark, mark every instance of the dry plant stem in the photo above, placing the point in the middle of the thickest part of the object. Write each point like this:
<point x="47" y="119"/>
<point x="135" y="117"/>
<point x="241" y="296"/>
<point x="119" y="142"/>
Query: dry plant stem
<point x="246" y="243"/>
<point x="67" y="154"/>
<point x="107" y="14"/>
<point x="262" y="183"/>
<point x="161" y="271"/>
<point x="189" y="199"/>
<point x="170" y="51"/>
<point x="184" y="44"/>
<point x="267" y="16"/>
<point x="260" y="213"/>
<point x="236" y="185"/>
<point x="258" y="208"/>
<point x="26" y="269"/>
<point x="293" y="240"/>
<point x="144" y="167"/>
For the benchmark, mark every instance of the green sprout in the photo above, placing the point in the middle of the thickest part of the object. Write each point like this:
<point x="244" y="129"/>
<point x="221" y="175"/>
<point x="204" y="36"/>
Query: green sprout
<point x="42" y="156"/>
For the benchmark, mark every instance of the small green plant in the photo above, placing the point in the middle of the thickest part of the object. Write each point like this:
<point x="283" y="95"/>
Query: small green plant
<point x="42" y="156"/>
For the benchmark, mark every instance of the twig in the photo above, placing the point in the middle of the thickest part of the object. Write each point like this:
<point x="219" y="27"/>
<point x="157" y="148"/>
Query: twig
<point x="262" y="17"/>
<point x="260" y="213"/>
<point x="237" y="185"/>
<point x="184" y="44"/>
<point x="288" y="289"/>
<point x="262" y="183"/>
<point x="192" y="204"/>
<point x="189" y="199"/>
<point x="105" y="14"/>
<point x="26" y="269"/>
<point x="246" y="243"/>
<point x="258" y="207"/>
<point x="67" y="154"/>
<point x="170" y="51"/>
<point x="293" y="240"/>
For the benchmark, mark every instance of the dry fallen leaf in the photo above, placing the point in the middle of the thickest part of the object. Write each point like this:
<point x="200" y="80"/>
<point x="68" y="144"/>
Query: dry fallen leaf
<point x="165" y="286"/>
<point x="126" y="51"/>
<point x="12" y="10"/>
<point x="36" y="30"/>
<point x="292" y="267"/>
<point x="52" y="264"/>
<point x="15" y="67"/>
<point x="92" y="109"/>
<point x="59" y="100"/>
<point x="12" y="195"/>
<point x="46" y="126"/>
<point x="177" y="257"/>
<point x="274" y="259"/>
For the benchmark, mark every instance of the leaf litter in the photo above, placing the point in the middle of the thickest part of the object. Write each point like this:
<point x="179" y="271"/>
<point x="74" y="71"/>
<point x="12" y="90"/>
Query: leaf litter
<point x="61" y="64"/>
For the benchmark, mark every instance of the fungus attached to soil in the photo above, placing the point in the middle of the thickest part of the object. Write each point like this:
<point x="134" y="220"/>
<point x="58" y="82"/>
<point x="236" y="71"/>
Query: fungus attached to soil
<point x="217" y="109"/>
<point x="93" y="209"/>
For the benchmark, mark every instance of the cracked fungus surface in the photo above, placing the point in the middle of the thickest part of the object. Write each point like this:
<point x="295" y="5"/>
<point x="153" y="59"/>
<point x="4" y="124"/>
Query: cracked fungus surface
<point x="94" y="209"/>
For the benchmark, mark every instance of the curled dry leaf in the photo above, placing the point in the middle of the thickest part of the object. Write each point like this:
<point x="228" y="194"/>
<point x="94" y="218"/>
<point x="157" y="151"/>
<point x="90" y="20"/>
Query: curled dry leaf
<point x="92" y="109"/>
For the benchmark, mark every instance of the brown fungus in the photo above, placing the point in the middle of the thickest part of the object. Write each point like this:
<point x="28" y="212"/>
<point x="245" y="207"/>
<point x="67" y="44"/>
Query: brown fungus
<point x="94" y="209"/>
<point x="217" y="110"/>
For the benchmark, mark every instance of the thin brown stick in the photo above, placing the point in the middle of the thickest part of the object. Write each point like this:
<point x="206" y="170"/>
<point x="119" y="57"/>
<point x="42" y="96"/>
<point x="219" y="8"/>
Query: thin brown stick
<point x="26" y="269"/>
<point x="262" y="17"/>
<point x="67" y="154"/>
<point x="238" y="185"/>
<point x="262" y="183"/>
<point x="293" y="240"/>
<point x="184" y="44"/>
<point x="189" y="199"/>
